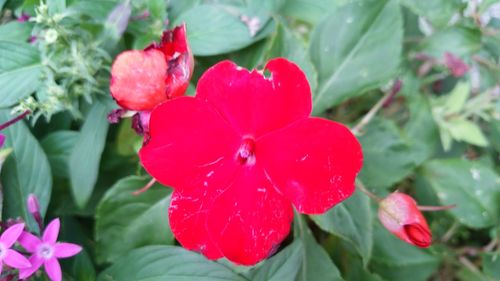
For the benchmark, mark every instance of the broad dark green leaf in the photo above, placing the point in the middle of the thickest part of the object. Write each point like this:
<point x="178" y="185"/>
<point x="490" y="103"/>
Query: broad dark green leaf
<point x="316" y="264"/>
<point x="357" y="272"/>
<point x="395" y="260"/>
<point x="286" y="44"/>
<point x="16" y="31"/>
<point x="439" y="13"/>
<point x="58" y="146"/>
<point x="352" y="221"/>
<point x="348" y="46"/>
<point x="217" y="29"/>
<point x="385" y="153"/>
<point x="472" y="186"/>
<point x="283" y="266"/>
<point x="160" y="263"/>
<point x="460" y="41"/>
<point x="83" y="269"/>
<point x="20" y="70"/>
<point x="86" y="155"/>
<point x="26" y="171"/>
<point x="125" y="221"/>
<point x="421" y="130"/>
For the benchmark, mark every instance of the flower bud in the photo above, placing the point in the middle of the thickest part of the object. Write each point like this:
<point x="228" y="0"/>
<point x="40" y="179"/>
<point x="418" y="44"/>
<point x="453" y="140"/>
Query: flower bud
<point x="33" y="204"/>
<point x="457" y="67"/>
<point x="399" y="213"/>
<point x="140" y="80"/>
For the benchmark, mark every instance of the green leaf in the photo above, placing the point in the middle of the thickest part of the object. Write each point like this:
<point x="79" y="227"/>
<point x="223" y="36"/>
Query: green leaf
<point x="462" y="129"/>
<point x="283" y="266"/>
<point x="472" y="186"/>
<point x="348" y="47"/>
<point x="20" y="70"/>
<point x="316" y="264"/>
<point x="385" y="151"/>
<point x="460" y="41"/>
<point x="309" y="11"/>
<point x="83" y="268"/>
<point x="217" y="29"/>
<point x="439" y="13"/>
<point x="98" y="10"/>
<point x="491" y="265"/>
<point x="421" y="129"/>
<point x="16" y="31"/>
<point x="86" y="155"/>
<point x="352" y="221"/>
<point x="455" y="101"/>
<point x="286" y="44"/>
<point x="396" y="260"/>
<point x="24" y="172"/>
<point x="125" y="221"/>
<point x="159" y="263"/>
<point x="58" y="146"/>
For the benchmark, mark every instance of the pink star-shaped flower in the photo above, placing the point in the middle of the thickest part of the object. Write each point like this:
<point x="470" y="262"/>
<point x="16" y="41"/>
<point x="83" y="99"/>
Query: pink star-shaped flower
<point x="46" y="251"/>
<point x="7" y="255"/>
<point x="240" y="153"/>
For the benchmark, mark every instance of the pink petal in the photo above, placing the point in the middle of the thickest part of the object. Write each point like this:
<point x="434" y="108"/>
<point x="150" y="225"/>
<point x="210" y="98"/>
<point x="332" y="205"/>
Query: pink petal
<point x="187" y="138"/>
<point x="250" y="102"/>
<point x="65" y="250"/>
<point x="51" y="231"/>
<point x="250" y="219"/>
<point x="16" y="260"/>
<point x="53" y="269"/>
<point x="29" y="241"/>
<point x="314" y="162"/>
<point x="10" y="236"/>
<point x="1" y="266"/>
<point x="35" y="265"/>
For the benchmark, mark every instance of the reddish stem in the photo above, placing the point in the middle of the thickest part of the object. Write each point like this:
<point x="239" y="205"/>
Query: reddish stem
<point x="14" y="120"/>
<point x="145" y="188"/>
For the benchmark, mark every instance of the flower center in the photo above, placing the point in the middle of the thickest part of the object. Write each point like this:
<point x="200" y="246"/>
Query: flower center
<point x="3" y="251"/>
<point x="246" y="152"/>
<point x="45" y="251"/>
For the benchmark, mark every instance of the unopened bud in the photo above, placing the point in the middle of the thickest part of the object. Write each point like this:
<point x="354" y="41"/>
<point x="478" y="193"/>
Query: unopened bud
<point x="399" y="214"/>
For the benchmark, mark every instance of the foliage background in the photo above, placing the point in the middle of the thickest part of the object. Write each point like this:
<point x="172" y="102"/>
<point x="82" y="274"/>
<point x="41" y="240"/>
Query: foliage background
<point x="438" y="139"/>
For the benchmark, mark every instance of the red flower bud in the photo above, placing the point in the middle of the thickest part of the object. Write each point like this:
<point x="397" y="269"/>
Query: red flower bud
<point x="140" y="80"/>
<point x="399" y="213"/>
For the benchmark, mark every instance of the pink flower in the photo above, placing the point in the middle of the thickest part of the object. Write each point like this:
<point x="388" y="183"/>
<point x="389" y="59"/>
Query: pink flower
<point x="7" y="255"/>
<point x="399" y="214"/>
<point x="241" y="153"/>
<point x="456" y="66"/>
<point x="2" y="140"/>
<point x="46" y="251"/>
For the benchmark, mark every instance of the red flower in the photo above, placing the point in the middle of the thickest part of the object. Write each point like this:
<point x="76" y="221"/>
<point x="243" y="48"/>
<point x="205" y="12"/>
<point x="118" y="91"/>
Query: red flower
<point x="400" y="215"/>
<point x="240" y="153"/>
<point x="140" y="80"/>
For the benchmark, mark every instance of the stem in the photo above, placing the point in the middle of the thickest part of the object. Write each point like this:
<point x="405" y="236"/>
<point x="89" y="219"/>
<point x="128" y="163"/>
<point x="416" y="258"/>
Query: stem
<point x="362" y="187"/>
<point x="435" y="208"/>
<point x="145" y="188"/>
<point x="14" y="120"/>
<point x="373" y="111"/>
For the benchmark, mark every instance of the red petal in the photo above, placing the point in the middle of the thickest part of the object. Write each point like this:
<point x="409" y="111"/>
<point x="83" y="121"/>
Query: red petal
<point x="187" y="139"/>
<point x="250" y="219"/>
<point x="252" y="103"/>
<point x="138" y="79"/>
<point x="418" y="234"/>
<point x="313" y="161"/>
